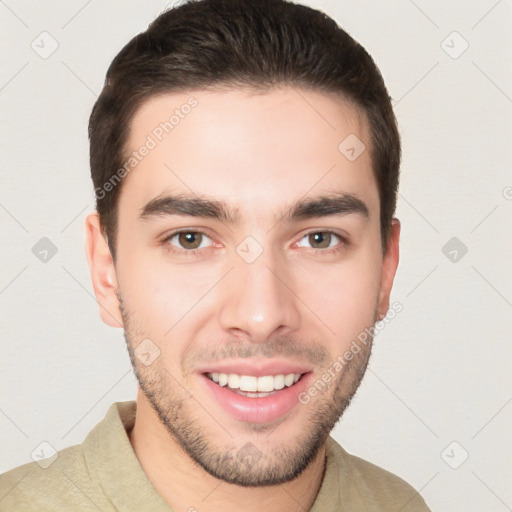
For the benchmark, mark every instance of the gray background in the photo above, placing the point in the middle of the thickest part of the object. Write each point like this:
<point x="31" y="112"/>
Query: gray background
<point x="439" y="385"/>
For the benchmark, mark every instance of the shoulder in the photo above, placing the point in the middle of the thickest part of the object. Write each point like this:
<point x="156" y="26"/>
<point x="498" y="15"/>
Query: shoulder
<point x="378" y="488"/>
<point x="61" y="485"/>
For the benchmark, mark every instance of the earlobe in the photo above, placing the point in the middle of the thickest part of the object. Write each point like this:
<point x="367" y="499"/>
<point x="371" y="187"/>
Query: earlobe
<point x="389" y="266"/>
<point x="103" y="272"/>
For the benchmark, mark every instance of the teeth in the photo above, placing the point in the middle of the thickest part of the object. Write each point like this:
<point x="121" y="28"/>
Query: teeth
<point x="266" y="383"/>
<point x="233" y="381"/>
<point x="223" y="379"/>
<point x="288" y="379"/>
<point x="250" y="383"/>
<point x="279" y="382"/>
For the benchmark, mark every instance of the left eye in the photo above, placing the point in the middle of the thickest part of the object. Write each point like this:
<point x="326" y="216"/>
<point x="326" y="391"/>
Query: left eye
<point x="322" y="239"/>
<point x="189" y="239"/>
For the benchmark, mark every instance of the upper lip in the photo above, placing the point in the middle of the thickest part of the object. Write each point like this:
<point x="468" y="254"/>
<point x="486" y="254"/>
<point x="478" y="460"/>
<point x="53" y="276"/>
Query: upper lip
<point x="256" y="368"/>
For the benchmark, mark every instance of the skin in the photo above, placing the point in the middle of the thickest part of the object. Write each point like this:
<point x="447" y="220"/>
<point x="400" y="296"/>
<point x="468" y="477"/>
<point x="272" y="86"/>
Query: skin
<point x="258" y="153"/>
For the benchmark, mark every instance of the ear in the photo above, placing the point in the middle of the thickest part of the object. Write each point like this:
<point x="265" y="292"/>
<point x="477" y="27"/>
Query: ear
<point x="103" y="272"/>
<point x="389" y="266"/>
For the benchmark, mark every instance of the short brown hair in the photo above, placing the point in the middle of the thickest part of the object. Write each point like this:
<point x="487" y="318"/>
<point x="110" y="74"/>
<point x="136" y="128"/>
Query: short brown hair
<point x="247" y="44"/>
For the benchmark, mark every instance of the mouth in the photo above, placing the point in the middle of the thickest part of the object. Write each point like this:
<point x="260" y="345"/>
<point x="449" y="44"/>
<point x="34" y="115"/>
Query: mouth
<point x="256" y="399"/>
<point x="252" y="386"/>
<point x="256" y="391"/>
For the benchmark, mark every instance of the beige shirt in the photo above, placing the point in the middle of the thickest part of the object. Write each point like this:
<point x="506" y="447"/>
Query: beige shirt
<point x="103" y="473"/>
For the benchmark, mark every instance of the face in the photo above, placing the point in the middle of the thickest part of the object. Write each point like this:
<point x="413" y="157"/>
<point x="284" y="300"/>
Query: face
<point x="249" y="258"/>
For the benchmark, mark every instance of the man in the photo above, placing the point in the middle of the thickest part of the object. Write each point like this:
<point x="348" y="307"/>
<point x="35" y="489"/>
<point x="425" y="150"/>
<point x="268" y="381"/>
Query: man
<point x="245" y="159"/>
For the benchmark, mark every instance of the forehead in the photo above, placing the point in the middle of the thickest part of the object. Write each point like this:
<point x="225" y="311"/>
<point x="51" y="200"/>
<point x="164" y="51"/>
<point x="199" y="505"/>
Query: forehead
<point x="253" y="151"/>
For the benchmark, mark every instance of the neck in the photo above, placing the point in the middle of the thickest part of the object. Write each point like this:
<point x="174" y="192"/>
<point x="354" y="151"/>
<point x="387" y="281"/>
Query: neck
<point x="186" y="486"/>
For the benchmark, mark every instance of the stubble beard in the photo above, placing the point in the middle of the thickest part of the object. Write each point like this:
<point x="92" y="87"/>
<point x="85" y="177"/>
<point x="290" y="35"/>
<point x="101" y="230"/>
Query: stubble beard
<point x="270" y="464"/>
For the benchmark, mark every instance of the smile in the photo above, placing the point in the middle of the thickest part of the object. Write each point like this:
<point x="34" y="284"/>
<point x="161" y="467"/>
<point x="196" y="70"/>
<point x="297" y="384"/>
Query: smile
<point x="252" y="386"/>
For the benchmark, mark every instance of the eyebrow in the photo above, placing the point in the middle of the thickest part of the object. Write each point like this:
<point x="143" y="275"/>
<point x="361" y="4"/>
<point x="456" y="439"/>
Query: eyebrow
<point x="336" y="204"/>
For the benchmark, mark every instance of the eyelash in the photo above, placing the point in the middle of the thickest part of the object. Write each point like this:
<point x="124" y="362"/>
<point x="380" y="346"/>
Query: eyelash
<point x="192" y="252"/>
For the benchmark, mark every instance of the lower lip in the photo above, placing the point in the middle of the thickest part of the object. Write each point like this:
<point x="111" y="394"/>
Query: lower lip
<point x="258" y="410"/>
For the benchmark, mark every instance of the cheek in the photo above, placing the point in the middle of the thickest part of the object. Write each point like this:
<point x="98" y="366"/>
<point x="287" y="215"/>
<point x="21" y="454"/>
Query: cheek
<point x="342" y="296"/>
<point x="159" y="294"/>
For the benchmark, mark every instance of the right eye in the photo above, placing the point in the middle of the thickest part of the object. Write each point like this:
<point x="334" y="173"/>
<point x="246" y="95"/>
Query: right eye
<point x="186" y="241"/>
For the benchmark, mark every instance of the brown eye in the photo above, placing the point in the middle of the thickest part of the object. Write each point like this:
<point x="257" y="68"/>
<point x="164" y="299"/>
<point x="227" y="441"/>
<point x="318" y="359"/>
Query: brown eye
<point x="319" y="240"/>
<point x="323" y="241"/>
<point x="189" y="239"/>
<point x="322" y="238"/>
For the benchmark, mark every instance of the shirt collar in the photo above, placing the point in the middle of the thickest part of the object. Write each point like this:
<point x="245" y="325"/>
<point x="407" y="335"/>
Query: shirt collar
<point x="112" y="461"/>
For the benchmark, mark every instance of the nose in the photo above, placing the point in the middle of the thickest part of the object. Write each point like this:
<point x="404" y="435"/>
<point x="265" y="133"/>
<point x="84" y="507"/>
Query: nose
<point x="258" y="301"/>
